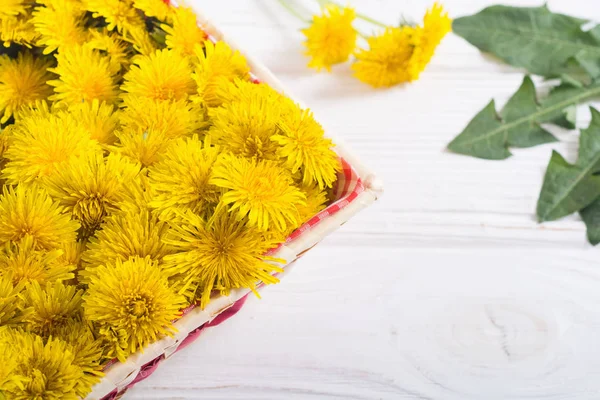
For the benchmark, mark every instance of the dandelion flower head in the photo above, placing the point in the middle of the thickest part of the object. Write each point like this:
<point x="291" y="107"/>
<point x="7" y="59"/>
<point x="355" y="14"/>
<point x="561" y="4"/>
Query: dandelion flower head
<point x="30" y="212"/>
<point x="131" y="233"/>
<point x="260" y="191"/>
<point x="331" y="38"/>
<point x="24" y="262"/>
<point x="181" y="178"/>
<point x="84" y="75"/>
<point x="42" y="144"/>
<point x="386" y="62"/>
<point x="219" y="254"/>
<point x="90" y="186"/>
<point x="304" y="148"/>
<point x="163" y="75"/>
<point x="22" y="82"/>
<point x="184" y="34"/>
<point x="217" y="64"/>
<point x="133" y="296"/>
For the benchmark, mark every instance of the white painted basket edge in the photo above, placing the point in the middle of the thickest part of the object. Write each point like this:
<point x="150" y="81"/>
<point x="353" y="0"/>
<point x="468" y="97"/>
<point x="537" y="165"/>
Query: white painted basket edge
<point x="120" y="375"/>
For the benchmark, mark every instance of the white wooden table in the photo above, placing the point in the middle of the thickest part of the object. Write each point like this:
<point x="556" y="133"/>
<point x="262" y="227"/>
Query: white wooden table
<point x="445" y="289"/>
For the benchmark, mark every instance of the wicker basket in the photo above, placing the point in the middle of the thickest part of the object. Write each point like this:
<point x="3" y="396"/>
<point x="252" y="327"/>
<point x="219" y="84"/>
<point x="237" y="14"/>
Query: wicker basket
<point x="357" y="187"/>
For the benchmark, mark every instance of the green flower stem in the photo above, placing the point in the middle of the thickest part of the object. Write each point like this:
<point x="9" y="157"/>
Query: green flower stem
<point x="364" y="17"/>
<point x="293" y="11"/>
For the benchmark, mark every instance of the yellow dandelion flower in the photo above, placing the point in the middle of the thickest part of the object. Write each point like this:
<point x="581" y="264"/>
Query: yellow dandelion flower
<point x="9" y="354"/>
<point x="134" y="296"/>
<point x="9" y="301"/>
<point x="23" y="262"/>
<point x="244" y="127"/>
<point x="43" y="144"/>
<point x="87" y="351"/>
<point x="143" y="147"/>
<point x="184" y="34"/>
<point x="30" y="212"/>
<point x="39" y="109"/>
<point x="260" y="191"/>
<point x="71" y="257"/>
<point x="18" y="29"/>
<point x="176" y="118"/>
<point x="50" y="307"/>
<point x="316" y="201"/>
<point x="141" y="40"/>
<point x="84" y="75"/>
<point x="10" y="8"/>
<point x="181" y="178"/>
<point x="22" y="82"/>
<point x="217" y="64"/>
<point x="137" y="195"/>
<point x="123" y="236"/>
<point x="100" y="119"/>
<point x="46" y="369"/>
<point x="386" y="62"/>
<point x="118" y="14"/>
<point x="219" y="254"/>
<point x="60" y="25"/>
<point x="164" y="75"/>
<point x="112" y="45"/>
<point x="331" y="38"/>
<point x="304" y="148"/>
<point x="436" y="24"/>
<point x="159" y="9"/>
<point x="91" y="186"/>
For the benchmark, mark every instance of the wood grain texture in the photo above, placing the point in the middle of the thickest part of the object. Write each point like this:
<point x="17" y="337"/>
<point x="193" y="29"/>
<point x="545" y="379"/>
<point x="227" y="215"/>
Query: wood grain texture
<point x="445" y="289"/>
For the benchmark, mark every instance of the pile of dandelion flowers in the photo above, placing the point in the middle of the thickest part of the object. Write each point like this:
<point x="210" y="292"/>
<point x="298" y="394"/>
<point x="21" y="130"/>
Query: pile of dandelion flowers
<point x="219" y="254"/>
<point x="22" y="82"/>
<point x="163" y="75"/>
<point x="91" y="186"/>
<point x="134" y="296"/>
<point x="125" y="235"/>
<point x="181" y="178"/>
<point x="42" y="144"/>
<point x="83" y="75"/>
<point x="30" y="212"/>
<point x="184" y="33"/>
<point x="304" y="148"/>
<point x="50" y="306"/>
<point x="260" y="191"/>
<point x="24" y="263"/>
<point x="331" y="38"/>
<point x="217" y="64"/>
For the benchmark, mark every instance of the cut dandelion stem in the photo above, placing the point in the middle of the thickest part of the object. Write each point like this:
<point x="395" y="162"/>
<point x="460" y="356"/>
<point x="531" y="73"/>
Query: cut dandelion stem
<point x="364" y="17"/>
<point x="293" y="11"/>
